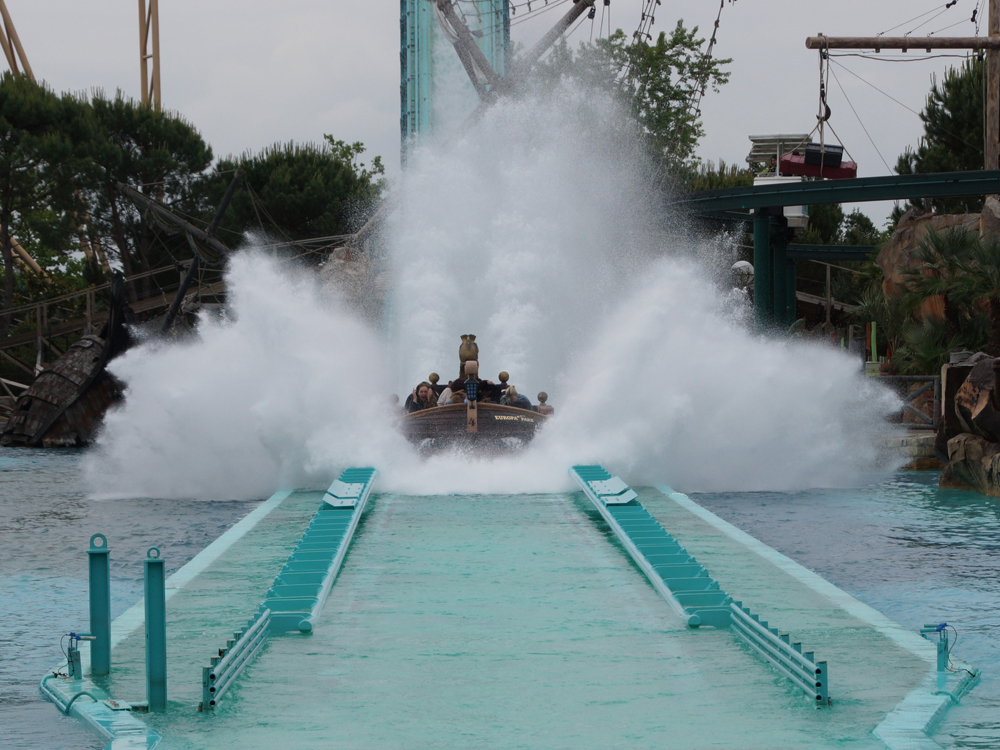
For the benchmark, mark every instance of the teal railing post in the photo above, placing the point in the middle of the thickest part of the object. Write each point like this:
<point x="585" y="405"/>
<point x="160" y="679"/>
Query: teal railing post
<point x="156" y="631"/>
<point x="100" y="605"/>
<point x="942" y="643"/>
<point x="762" y="267"/>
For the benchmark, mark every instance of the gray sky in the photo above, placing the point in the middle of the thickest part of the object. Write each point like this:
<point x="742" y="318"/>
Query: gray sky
<point x="248" y="73"/>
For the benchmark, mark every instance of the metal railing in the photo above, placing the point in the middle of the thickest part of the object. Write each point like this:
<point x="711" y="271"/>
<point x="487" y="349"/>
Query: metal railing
<point x="901" y="383"/>
<point x="240" y="650"/>
<point x="788" y="658"/>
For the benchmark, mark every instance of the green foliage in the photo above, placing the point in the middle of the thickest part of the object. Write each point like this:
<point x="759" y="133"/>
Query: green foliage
<point x="825" y="222"/>
<point x="708" y="176"/>
<point x="158" y="153"/>
<point x="351" y="153"/>
<point x="962" y="271"/>
<point x="829" y="226"/>
<point x="43" y="147"/>
<point x="62" y="156"/>
<point x="858" y="229"/>
<point x="654" y="81"/>
<point x="953" y="132"/>
<point x="300" y="191"/>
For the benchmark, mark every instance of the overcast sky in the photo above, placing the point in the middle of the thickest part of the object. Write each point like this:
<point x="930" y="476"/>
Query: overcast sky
<point x="248" y="73"/>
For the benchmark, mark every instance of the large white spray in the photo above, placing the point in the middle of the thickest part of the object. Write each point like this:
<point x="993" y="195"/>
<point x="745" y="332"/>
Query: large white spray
<point x="535" y="232"/>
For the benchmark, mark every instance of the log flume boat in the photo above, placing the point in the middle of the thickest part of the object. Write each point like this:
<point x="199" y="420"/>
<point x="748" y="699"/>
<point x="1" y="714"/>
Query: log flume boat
<point x="474" y="418"/>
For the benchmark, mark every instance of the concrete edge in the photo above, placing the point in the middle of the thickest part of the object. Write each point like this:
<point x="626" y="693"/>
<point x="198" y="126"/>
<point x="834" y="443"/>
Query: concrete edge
<point x="907" y="639"/>
<point x="908" y="725"/>
<point x="132" y="619"/>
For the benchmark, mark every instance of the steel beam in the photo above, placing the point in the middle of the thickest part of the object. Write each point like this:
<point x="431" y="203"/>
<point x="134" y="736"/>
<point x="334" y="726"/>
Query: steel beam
<point x="860" y="190"/>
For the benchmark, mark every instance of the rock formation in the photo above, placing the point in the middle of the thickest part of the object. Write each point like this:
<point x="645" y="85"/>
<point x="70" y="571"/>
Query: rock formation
<point x="968" y="439"/>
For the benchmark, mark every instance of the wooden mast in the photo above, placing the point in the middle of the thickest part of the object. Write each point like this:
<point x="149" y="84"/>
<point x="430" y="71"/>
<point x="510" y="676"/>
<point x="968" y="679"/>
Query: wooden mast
<point x="149" y="30"/>
<point x="11" y="44"/>
<point x="991" y="44"/>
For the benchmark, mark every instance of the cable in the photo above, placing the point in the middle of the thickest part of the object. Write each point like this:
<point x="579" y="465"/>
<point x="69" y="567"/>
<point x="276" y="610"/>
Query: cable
<point x="860" y="122"/>
<point x="954" y="135"/>
<point x="918" y="26"/>
<point x="957" y="23"/>
<point x="706" y="58"/>
<point x="904" y="23"/>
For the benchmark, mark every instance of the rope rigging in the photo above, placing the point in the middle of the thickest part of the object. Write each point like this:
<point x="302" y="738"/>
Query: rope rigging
<point x="700" y="92"/>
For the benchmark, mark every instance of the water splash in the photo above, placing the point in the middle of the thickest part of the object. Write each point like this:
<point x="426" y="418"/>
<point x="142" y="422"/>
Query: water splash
<point x="236" y="411"/>
<point x="537" y="233"/>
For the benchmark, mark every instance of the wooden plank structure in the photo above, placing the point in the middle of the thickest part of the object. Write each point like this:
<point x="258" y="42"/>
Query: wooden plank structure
<point x="67" y="401"/>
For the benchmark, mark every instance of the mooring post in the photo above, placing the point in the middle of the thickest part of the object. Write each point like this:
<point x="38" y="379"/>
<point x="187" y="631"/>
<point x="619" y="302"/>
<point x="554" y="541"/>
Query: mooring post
<point x="100" y="605"/>
<point x="156" y="631"/>
<point x="762" y="267"/>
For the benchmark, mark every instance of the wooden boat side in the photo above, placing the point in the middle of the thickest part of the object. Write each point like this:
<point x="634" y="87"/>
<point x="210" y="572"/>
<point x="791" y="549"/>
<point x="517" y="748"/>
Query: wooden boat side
<point x="495" y="422"/>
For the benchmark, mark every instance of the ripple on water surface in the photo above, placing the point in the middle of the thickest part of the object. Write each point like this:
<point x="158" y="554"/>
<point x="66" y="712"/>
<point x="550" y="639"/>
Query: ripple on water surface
<point x="913" y="551"/>
<point x="46" y="522"/>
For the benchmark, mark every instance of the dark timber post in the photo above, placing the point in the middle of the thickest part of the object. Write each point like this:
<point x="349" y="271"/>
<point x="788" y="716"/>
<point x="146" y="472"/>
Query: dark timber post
<point x="762" y="267"/>
<point x="175" y="306"/>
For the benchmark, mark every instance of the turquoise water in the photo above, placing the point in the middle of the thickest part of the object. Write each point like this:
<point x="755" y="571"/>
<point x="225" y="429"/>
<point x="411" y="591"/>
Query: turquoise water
<point x="913" y="551"/>
<point x="486" y="622"/>
<point x="45" y="527"/>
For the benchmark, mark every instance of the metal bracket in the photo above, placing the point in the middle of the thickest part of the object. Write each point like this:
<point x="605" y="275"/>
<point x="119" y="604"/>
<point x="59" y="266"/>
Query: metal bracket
<point x="344" y="495"/>
<point x="613" y="491"/>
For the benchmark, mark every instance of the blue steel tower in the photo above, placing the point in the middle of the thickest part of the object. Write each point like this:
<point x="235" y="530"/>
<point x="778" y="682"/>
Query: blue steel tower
<point x="420" y="57"/>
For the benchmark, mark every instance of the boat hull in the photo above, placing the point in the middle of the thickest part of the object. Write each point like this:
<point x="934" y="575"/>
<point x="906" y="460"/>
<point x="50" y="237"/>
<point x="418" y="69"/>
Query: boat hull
<point x="498" y="428"/>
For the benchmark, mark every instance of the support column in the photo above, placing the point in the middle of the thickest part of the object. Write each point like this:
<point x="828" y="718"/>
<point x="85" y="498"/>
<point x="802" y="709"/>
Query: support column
<point x="762" y="267"/>
<point x="100" y="605"/>
<point x="779" y="260"/>
<point x="156" y="631"/>
<point x="791" y="287"/>
<point x="993" y="92"/>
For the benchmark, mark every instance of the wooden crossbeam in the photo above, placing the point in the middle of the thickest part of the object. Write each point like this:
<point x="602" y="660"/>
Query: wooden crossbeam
<point x="903" y="43"/>
<point x="15" y="361"/>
